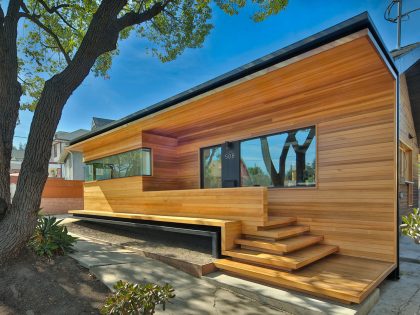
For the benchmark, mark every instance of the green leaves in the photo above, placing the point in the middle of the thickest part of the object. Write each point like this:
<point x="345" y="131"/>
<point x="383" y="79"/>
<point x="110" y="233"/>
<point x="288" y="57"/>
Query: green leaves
<point x="50" y="238"/>
<point x="136" y="299"/>
<point x="53" y="30"/>
<point x="411" y="225"/>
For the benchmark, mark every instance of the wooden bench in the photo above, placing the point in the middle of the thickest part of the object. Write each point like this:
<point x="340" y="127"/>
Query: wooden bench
<point x="222" y="232"/>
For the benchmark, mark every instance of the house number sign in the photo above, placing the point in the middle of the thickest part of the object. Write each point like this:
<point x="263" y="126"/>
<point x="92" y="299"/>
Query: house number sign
<point x="229" y="155"/>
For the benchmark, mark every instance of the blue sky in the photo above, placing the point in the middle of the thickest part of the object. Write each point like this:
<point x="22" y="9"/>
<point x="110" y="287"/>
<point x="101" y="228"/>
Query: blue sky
<point x="138" y="80"/>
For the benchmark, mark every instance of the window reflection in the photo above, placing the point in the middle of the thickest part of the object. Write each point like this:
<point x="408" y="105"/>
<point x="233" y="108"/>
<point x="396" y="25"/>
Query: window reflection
<point x="212" y="167"/>
<point x="131" y="163"/>
<point x="282" y="160"/>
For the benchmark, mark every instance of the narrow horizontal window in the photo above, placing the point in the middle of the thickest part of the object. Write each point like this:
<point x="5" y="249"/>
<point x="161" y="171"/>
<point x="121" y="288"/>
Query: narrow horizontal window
<point x="132" y="163"/>
<point x="287" y="159"/>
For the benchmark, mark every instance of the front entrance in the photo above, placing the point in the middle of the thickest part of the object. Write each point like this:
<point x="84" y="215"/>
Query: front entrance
<point x="231" y="176"/>
<point x="220" y="166"/>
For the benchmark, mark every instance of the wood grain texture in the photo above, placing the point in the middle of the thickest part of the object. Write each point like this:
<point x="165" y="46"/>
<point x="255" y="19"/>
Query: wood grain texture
<point x="125" y="195"/>
<point x="337" y="277"/>
<point x="408" y="140"/>
<point x="230" y="230"/>
<point x="346" y="91"/>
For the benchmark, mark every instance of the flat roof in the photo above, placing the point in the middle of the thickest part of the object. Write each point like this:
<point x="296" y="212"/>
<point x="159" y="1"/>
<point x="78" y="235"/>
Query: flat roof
<point x="348" y="27"/>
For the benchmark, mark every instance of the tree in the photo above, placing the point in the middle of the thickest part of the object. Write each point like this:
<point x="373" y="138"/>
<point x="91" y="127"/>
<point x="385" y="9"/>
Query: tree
<point x="48" y="47"/>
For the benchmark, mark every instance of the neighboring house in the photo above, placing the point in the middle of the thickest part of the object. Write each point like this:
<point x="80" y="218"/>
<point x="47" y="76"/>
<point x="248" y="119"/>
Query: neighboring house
<point x="407" y="60"/>
<point x="98" y="123"/>
<point x="17" y="159"/>
<point x="292" y="157"/>
<point x="63" y="164"/>
<point x="66" y="164"/>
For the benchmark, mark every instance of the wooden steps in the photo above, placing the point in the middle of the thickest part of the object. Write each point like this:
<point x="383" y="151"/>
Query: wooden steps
<point x="280" y="232"/>
<point x="281" y="246"/>
<point x="277" y="222"/>
<point x="338" y="277"/>
<point x="293" y="261"/>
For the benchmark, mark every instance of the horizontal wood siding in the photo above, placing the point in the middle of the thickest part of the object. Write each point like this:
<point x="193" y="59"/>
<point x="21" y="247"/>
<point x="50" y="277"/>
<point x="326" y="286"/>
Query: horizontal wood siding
<point x="346" y="91"/>
<point x="124" y="195"/>
<point x="406" y="129"/>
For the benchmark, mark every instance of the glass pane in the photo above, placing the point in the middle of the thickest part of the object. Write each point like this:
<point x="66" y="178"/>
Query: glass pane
<point x="146" y="162"/>
<point x="132" y="163"/>
<point x="212" y="167"/>
<point x="287" y="159"/>
<point x="88" y="170"/>
<point x="253" y="169"/>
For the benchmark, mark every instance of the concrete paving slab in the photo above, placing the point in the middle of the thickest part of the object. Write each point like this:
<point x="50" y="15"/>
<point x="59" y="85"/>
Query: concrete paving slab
<point x="409" y="251"/>
<point x="290" y="301"/>
<point x="85" y="245"/>
<point x="220" y="302"/>
<point x="146" y="270"/>
<point x="93" y="258"/>
<point x="400" y="297"/>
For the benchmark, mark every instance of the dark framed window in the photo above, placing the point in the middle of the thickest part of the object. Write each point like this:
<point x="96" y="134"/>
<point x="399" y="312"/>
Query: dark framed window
<point x="132" y="163"/>
<point x="211" y="167"/>
<point x="286" y="159"/>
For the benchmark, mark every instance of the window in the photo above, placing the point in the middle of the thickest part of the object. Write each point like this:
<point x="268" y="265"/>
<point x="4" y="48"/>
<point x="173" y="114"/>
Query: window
<point x="286" y="159"/>
<point x="211" y="165"/>
<point x="132" y="163"/>
<point x="55" y="150"/>
<point x="406" y="171"/>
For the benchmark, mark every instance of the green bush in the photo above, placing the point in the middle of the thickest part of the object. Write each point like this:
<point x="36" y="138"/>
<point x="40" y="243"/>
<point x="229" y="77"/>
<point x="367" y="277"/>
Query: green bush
<point x="50" y="238"/>
<point x="411" y="225"/>
<point x="136" y="299"/>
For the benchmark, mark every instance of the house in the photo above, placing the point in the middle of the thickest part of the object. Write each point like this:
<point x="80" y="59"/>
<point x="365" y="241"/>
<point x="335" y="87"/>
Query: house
<point x="98" y="123"/>
<point x="64" y="163"/>
<point x="17" y="159"/>
<point x="293" y="157"/>
<point x="407" y="60"/>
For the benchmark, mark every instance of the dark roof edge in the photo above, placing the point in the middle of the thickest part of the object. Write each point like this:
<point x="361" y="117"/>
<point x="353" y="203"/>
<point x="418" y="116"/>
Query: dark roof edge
<point x="345" y="28"/>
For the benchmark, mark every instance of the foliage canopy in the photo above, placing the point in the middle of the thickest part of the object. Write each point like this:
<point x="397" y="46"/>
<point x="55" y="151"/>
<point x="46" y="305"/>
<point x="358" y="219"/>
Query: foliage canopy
<point x="53" y="31"/>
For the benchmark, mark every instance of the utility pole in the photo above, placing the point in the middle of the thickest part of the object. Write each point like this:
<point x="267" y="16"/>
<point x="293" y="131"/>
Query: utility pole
<point x="401" y="17"/>
<point x="399" y="24"/>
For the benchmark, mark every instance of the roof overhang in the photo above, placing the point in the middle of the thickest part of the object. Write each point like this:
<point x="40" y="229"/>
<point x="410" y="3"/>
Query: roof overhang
<point x="332" y="34"/>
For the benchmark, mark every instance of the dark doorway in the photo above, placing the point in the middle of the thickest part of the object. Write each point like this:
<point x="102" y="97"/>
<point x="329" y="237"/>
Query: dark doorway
<point x="230" y="164"/>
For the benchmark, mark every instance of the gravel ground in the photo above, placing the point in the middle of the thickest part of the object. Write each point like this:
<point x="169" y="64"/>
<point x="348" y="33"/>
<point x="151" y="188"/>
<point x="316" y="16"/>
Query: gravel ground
<point x="190" y="248"/>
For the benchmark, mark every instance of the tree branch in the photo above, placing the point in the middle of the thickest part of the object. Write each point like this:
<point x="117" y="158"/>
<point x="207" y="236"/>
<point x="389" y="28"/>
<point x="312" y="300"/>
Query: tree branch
<point x="55" y="9"/>
<point x="1" y="16"/>
<point x="132" y="18"/>
<point x="36" y="21"/>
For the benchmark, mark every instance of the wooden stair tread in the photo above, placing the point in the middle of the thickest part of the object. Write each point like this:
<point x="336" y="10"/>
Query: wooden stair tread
<point x="293" y="260"/>
<point x="281" y="232"/>
<point x="343" y="278"/>
<point x="277" y="221"/>
<point x="284" y="245"/>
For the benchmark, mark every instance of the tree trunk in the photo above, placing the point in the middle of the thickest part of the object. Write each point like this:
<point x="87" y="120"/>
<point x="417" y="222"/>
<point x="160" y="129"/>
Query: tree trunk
<point x="20" y="217"/>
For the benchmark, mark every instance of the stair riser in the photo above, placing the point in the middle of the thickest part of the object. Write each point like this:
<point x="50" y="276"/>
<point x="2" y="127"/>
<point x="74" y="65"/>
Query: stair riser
<point x="279" y="235"/>
<point x="263" y="250"/>
<point x="271" y="246"/>
<point x="269" y="226"/>
<point x="259" y="264"/>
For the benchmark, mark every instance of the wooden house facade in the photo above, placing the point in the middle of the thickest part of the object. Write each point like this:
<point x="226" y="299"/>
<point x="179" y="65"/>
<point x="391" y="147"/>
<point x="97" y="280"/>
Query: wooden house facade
<point x="294" y="157"/>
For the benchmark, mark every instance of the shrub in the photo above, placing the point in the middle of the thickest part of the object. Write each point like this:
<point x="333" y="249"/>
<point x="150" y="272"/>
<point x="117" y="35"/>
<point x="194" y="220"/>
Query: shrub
<point x="135" y="299"/>
<point x="411" y="225"/>
<point x="50" y="238"/>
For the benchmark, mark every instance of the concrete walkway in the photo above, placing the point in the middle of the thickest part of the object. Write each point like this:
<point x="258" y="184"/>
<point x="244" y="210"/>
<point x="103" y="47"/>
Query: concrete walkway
<point x="193" y="295"/>
<point x="219" y="293"/>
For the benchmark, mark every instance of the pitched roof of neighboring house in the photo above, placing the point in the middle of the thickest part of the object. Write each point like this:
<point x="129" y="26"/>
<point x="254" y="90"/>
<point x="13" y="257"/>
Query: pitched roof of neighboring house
<point x="407" y="60"/>
<point x="348" y="27"/>
<point x="68" y="136"/>
<point x="17" y="154"/>
<point x="98" y="122"/>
